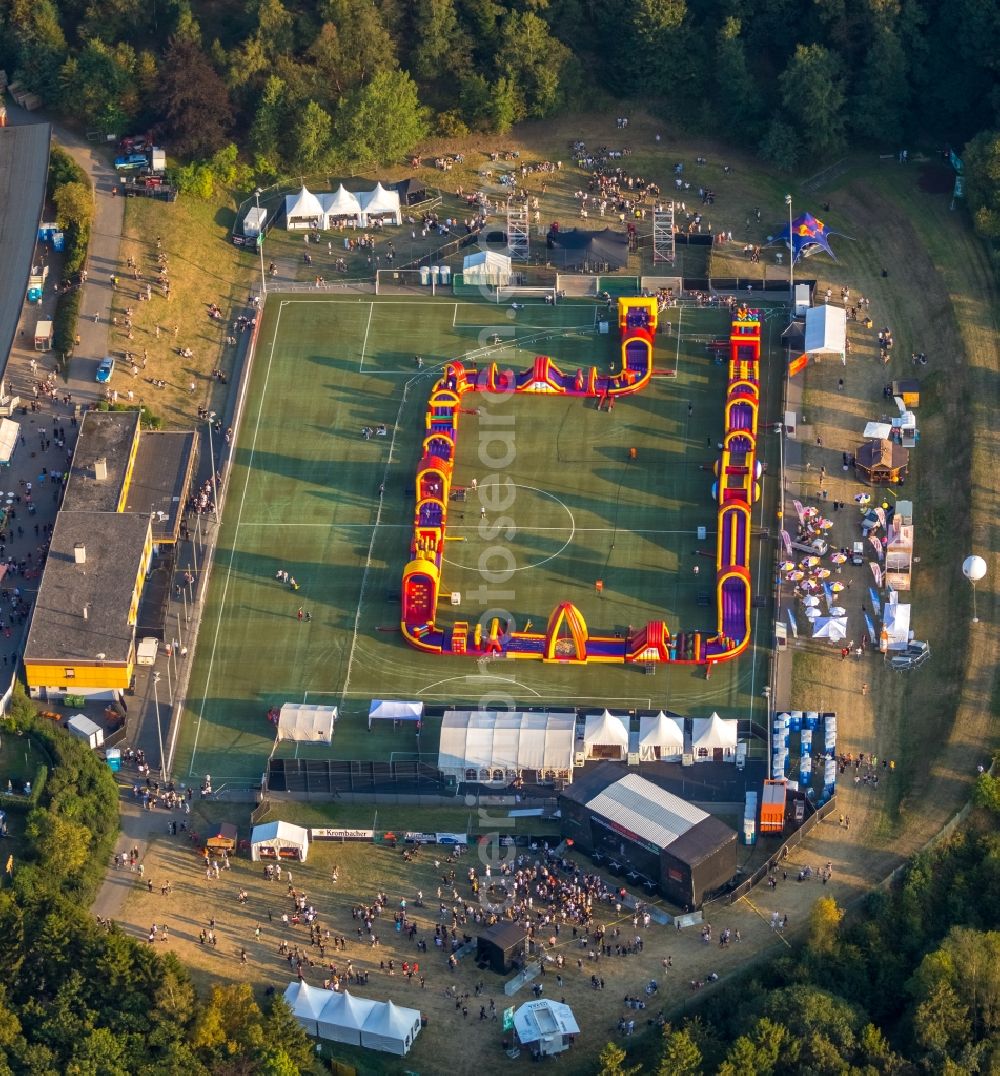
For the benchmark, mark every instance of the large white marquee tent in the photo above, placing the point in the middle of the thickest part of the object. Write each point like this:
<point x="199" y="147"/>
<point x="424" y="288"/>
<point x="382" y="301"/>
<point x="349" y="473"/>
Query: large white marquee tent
<point x="487" y="267"/>
<point x="279" y="840"/>
<point x="826" y="330"/>
<point x="491" y="746"/>
<point x="305" y="723"/>
<point x="340" y="1016"/>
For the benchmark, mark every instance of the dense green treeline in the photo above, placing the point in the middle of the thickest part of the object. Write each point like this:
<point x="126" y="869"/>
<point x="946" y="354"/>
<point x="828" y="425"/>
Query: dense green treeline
<point x="303" y="85"/>
<point x="79" y="998"/>
<point x="911" y="983"/>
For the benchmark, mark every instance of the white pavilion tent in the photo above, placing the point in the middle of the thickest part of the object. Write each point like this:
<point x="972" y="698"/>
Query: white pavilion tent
<point x="605" y="736"/>
<point x="660" y="737"/>
<point x="304" y="723"/>
<point x="487" y="267"/>
<point x="380" y="204"/>
<point x="713" y="739"/>
<point x="491" y="746"/>
<point x="545" y="1025"/>
<point x="306" y="1003"/>
<point x="302" y="211"/>
<point x="826" y="330"/>
<point x="279" y="840"/>
<point x="391" y="1028"/>
<point x="9" y="433"/>
<point x="895" y="626"/>
<point x="341" y="207"/>
<point x="394" y="710"/>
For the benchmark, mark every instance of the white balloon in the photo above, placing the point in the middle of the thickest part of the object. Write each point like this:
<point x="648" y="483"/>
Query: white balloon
<point x="974" y="568"/>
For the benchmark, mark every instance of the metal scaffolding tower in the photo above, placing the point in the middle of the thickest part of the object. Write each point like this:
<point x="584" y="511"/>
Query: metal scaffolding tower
<point x="664" y="248"/>
<point x="518" y="231"/>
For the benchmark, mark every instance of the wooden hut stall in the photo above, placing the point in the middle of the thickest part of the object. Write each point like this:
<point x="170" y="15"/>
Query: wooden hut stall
<point x="222" y="838"/>
<point x="882" y="463"/>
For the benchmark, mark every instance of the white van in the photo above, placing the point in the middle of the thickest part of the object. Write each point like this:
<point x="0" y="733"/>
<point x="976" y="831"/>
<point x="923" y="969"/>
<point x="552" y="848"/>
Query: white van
<point x="145" y="651"/>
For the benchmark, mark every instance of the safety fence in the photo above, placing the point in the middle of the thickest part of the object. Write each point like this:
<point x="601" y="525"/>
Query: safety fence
<point x="762" y="872"/>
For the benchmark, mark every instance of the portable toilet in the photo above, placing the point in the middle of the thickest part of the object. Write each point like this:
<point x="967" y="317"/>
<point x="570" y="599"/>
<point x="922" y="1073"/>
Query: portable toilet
<point x="795" y="720"/>
<point x="425" y="275"/>
<point x="444" y="273"/>
<point x="58" y="242"/>
<point x="114" y="759"/>
<point x="433" y="270"/>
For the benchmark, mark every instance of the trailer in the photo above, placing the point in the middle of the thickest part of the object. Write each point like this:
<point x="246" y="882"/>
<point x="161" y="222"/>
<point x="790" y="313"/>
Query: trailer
<point x="80" y="726"/>
<point x="43" y="335"/>
<point x="772" y="806"/>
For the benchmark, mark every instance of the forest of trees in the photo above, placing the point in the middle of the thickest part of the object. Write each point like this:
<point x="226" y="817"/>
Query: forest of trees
<point x="78" y="998"/>
<point x="909" y="983"/>
<point x="304" y="85"/>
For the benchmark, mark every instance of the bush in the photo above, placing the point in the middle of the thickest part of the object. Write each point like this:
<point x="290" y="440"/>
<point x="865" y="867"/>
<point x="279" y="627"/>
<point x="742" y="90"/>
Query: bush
<point x="64" y="321"/>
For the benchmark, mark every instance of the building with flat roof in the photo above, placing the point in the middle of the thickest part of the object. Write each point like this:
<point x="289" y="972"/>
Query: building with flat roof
<point x="103" y="461"/>
<point x="161" y="478"/>
<point x="82" y="634"/>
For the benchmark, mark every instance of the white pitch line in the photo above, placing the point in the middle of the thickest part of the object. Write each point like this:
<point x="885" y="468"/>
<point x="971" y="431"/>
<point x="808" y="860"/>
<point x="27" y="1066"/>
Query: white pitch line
<point x="364" y="343"/>
<point x="471" y="527"/>
<point x="236" y="533"/>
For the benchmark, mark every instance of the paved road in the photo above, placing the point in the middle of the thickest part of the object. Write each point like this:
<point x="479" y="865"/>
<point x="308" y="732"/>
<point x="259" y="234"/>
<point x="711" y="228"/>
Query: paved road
<point x="105" y="246"/>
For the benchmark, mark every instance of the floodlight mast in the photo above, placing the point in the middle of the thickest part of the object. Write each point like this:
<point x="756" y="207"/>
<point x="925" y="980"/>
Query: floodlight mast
<point x="791" y="256"/>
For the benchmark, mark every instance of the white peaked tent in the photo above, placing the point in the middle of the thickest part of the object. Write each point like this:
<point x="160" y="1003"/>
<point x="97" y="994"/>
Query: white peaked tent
<point x="394" y="710"/>
<point x="896" y="625"/>
<point x="710" y="735"/>
<point x="306" y="1003"/>
<point x="833" y="628"/>
<point x="344" y="1016"/>
<point x="391" y="1028"/>
<point x="380" y="204"/>
<point x="341" y="206"/>
<point x="306" y="724"/>
<point x="660" y="737"/>
<point x="486" y="267"/>
<point x="605" y="736"/>
<point x="826" y="330"/>
<point x="279" y="840"/>
<point x="545" y="1025"/>
<point x="302" y="211"/>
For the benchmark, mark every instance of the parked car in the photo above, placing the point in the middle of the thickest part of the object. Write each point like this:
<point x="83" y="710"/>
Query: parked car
<point x="105" y="368"/>
<point x="132" y="162"/>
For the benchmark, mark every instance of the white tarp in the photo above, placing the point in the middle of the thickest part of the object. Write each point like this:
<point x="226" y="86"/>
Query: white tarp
<point x="486" y="267"/>
<point x="306" y="1003"/>
<point x="394" y="710"/>
<point x="380" y="203"/>
<point x="306" y="724"/>
<point x="9" y="432"/>
<point x="486" y="745"/>
<point x="545" y="1025"/>
<point x="826" y="330"/>
<point x="303" y="210"/>
<point x="391" y="1028"/>
<point x="660" y="737"/>
<point x="896" y="626"/>
<point x="278" y="836"/>
<point x="712" y="734"/>
<point x="603" y="731"/>
<point x="877" y="431"/>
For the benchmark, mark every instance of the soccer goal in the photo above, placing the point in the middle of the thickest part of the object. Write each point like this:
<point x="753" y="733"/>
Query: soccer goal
<point x="511" y="293"/>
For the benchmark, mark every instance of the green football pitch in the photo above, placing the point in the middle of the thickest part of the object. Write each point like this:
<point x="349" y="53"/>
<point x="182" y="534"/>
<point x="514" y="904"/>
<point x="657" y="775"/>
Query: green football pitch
<point x="308" y="494"/>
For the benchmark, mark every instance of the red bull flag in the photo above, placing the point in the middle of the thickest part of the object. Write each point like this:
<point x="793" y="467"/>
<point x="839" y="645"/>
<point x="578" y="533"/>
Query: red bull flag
<point x="877" y="572"/>
<point x="873" y="538"/>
